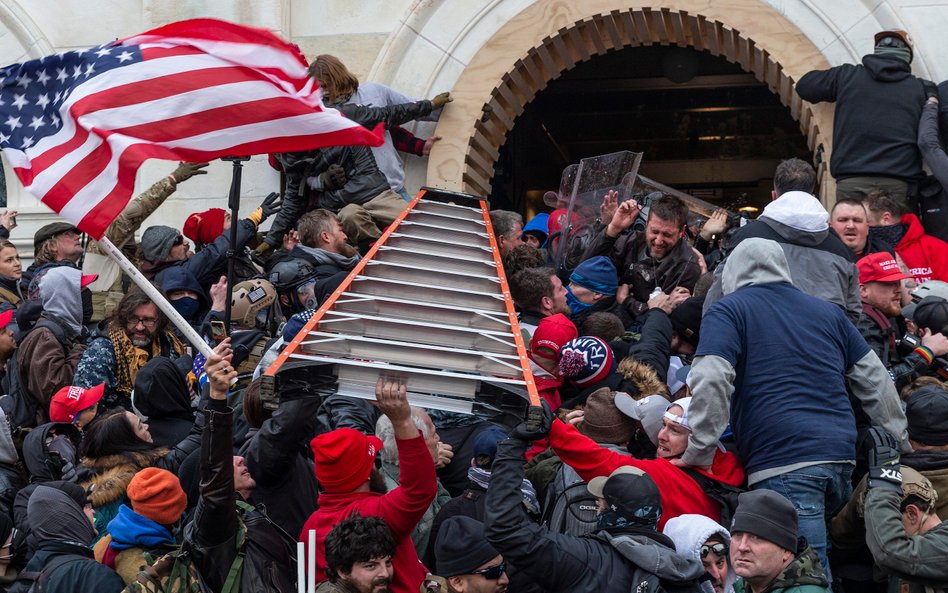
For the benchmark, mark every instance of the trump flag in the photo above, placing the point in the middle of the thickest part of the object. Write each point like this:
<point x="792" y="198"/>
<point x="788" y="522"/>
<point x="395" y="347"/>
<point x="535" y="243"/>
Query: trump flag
<point x="77" y="125"/>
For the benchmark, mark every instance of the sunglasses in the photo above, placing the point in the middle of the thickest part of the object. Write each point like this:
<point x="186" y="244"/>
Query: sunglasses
<point x="891" y="42"/>
<point x="492" y="573"/>
<point x="718" y="549"/>
<point x="179" y="240"/>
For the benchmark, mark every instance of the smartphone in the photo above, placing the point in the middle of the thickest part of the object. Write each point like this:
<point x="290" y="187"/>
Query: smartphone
<point x="218" y="331"/>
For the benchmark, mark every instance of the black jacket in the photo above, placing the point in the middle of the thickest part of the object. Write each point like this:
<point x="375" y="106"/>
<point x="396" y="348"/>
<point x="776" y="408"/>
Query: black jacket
<point x="269" y="564"/>
<point x="81" y="574"/>
<point x="902" y="369"/>
<point x="558" y="562"/>
<point x="364" y="179"/>
<point x="878" y="105"/>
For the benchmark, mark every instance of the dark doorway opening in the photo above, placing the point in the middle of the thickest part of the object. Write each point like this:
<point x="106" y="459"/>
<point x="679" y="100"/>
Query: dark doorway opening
<point x="705" y="126"/>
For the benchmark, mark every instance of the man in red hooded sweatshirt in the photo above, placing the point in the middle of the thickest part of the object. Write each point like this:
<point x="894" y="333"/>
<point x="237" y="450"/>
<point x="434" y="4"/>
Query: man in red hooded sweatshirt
<point x="345" y="468"/>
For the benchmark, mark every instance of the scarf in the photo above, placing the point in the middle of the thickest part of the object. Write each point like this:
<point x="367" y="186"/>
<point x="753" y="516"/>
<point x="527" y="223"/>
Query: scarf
<point x="575" y="305"/>
<point x="130" y="358"/>
<point x="131" y="530"/>
<point x="481" y="477"/>
<point x="887" y="236"/>
<point x="900" y="53"/>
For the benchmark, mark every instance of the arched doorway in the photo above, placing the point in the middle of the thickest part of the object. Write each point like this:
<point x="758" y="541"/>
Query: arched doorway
<point x="606" y="34"/>
<point x="704" y="124"/>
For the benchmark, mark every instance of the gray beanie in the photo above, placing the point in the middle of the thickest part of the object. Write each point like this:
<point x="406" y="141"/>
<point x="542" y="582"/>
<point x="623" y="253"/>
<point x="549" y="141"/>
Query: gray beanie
<point x="769" y="515"/>
<point x="157" y="242"/>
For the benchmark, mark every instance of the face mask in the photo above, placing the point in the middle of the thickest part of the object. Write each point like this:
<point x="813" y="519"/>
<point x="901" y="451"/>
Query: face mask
<point x="186" y="306"/>
<point x="610" y="518"/>
<point x="575" y="305"/>
<point x="86" y="296"/>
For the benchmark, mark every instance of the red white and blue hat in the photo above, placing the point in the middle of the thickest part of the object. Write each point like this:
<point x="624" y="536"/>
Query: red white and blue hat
<point x="586" y="360"/>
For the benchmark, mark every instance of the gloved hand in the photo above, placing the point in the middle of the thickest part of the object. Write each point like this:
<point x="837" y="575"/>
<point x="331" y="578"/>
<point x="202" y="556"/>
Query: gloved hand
<point x="186" y="171"/>
<point x="883" y="458"/>
<point x="441" y="100"/>
<point x="537" y="426"/>
<point x="271" y="205"/>
<point x="333" y="178"/>
<point x="931" y="90"/>
<point x="486" y="110"/>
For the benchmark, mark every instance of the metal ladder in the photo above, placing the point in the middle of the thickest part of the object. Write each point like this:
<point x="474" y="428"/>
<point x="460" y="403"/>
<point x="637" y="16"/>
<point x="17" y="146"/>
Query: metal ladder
<point x="429" y="304"/>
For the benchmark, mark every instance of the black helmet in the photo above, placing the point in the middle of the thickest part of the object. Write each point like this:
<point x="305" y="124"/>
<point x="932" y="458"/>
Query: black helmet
<point x="288" y="274"/>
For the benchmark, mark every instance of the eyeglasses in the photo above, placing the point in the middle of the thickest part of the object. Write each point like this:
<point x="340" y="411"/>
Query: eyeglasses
<point x="892" y="42"/>
<point x="492" y="573"/>
<point x="718" y="549"/>
<point x="147" y="322"/>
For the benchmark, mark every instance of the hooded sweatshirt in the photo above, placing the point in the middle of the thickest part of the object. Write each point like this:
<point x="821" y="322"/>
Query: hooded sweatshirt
<point x="59" y="289"/>
<point x="780" y="361"/>
<point x="878" y="106"/>
<point x="690" y="532"/>
<point x="820" y="264"/>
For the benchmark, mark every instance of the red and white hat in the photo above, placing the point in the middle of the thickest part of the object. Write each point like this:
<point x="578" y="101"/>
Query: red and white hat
<point x="70" y="401"/>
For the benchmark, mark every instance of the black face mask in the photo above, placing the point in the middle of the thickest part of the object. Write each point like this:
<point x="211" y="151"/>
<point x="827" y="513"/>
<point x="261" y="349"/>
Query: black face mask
<point x="86" y="295"/>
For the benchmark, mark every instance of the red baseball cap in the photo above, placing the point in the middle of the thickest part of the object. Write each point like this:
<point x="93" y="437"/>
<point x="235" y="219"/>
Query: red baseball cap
<point x="5" y="318"/>
<point x="87" y="279"/>
<point x="343" y="458"/>
<point x="879" y="267"/>
<point x="552" y="332"/>
<point x="70" y="401"/>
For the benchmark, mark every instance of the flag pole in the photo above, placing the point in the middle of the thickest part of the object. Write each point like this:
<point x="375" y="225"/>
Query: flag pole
<point x="233" y="202"/>
<point x="161" y="302"/>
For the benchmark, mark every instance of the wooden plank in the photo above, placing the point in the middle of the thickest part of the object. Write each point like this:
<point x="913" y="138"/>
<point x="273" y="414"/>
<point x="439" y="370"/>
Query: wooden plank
<point x="596" y="35"/>
<point x="641" y="27"/>
<point x="581" y="45"/>
<point x="694" y="28"/>
<point x="611" y="25"/>
<point x="678" y="29"/>
<point x="628" y="29"/>
<point x="560" y="50"/>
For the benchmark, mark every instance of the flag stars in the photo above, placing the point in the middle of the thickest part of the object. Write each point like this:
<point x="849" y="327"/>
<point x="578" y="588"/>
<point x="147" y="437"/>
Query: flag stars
<point x="13" y="122"/>
<point x="42" y="77"/>
<point x="61" y="74"/>
<point x="23" y="80"/>
<point x="77" y="72"/>
<point x="19" y="101"/>
<point x="103" y="52"/>
<point x="43" y="101"/>
<point x="89" y="70"/>
<point x="125" y="56"/>
<point x="56" y="120"/>
<point x="27" y="142"/>
<point x="37" y="123"/>
<point x="4" y="138"/>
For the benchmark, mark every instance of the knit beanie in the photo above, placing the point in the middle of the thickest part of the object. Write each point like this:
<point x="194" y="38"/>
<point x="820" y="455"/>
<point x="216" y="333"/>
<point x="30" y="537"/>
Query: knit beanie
<point x="586" y="360"/>
<point x="461" y="547"/>
<point x="686" y="319"/>
<point x="344" y="458"/>
<point x="157" y="242"/>
<point x="597" y="274"/>
<point x="769" y="515"/>
<point x="204" y="227"/>
<point x="602" y="420"/>
<point x="552" y="333"/>
<point x="156" y="494"/>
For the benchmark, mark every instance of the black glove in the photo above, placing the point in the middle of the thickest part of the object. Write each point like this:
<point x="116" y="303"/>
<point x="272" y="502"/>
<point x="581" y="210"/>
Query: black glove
<point x="537" y="426"/>
<point x="883" y="458"/>
<point x="271" y="205"/>
<point x="333" y="178"/>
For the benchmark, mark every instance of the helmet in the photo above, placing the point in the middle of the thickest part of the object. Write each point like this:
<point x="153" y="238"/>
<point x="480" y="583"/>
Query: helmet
<point x="288" y="274"/>
<point x="249" y="300"/>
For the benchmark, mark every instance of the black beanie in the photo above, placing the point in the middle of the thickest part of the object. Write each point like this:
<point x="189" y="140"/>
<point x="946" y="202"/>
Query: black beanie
<point x="461" y="547"/>
<point x="769" y="515"/>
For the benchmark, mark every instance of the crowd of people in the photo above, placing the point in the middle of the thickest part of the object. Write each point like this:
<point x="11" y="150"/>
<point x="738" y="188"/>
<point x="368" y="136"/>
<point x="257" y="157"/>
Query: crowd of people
<point x="730" y="408"/>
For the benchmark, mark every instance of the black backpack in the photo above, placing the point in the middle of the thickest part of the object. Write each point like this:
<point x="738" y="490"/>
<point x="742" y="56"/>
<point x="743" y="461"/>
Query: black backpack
<point x="35" y="581"/>
<point x="569" y="507"/>
<point x="723" y="494"/>
<point x="19" y="406"/>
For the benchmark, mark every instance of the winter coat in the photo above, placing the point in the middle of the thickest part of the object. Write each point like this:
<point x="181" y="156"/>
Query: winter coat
<point x="163" y="396"/>
<point x="653" y="346"/>
<point x="933" y="193"/>
<point x="364" y="179"/>
<point x="913" y="561"/>
<point x="269" y="564"/>
<point x="804" y="574"/>
<point x="925" y="256"/>
<point x="603" y="563"/>
<point x="422" y="531"/>
<point x="878" y="105"/>
<point x="902" y="368"/>
<point x="690" y="532"/>
<point x="130" y="537"/>
<point x="401" y="509"/>
<point x="681" y="494"/>
<point x="644" y="274"/>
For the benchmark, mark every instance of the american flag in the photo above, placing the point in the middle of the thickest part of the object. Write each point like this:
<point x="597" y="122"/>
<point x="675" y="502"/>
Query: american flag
<point x="77" y="125"/>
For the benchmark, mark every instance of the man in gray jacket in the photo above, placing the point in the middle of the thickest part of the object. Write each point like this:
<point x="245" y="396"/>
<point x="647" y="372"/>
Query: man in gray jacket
<point x="627" y="552"/>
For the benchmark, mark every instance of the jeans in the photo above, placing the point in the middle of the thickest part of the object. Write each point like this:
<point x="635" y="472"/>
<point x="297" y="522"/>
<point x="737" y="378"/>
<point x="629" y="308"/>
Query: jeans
<point x="817" y="492"/>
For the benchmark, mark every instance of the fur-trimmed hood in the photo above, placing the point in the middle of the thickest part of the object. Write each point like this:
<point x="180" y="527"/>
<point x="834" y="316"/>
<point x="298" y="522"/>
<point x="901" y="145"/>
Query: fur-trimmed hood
<point x="643" y="377"/>
<point x="106" y="478"/>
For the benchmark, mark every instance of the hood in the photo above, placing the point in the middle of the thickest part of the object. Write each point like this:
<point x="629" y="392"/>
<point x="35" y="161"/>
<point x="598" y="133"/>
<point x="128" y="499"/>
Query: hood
<point x="59" y="291"/>
<point x="913" y="229"/>
<point x="655" y="558"/>
<point x="754" y="261"/>
<point x="129" y="529"/>
<point x="36" y="453"/>
<point x="689" y="532"/>
<point x="805" y="569"/>
<point x="323" y="257"/>
<point x="161" y="391"/>
<point x="927" y="461"/>
<point x="643" y="377"/>
<point x="798" y="210"/>
<point x="179" y="278"/>
<point x="886" y="68"/>
<point x="537" y="224"/>
<point x="55" y="516"/>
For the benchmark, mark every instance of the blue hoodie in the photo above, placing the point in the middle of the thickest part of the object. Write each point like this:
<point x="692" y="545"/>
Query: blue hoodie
<point x="130" y="530"/>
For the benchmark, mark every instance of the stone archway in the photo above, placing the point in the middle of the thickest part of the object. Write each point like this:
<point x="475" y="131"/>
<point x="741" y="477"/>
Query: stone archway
<point x="538" y="41"/>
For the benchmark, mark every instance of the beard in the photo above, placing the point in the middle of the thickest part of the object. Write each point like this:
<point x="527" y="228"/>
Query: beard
<point x="377" y="482"/>
<point x="346" y="250"/>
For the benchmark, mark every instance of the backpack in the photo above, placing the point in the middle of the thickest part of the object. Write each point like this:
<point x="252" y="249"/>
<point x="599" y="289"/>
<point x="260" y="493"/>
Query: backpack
<point x="19" y="405"/>
<point x="721" y="493"/>
<point x="175" y="572"/>
<point x="35" y="581"/>
<point x="569" y="507"/>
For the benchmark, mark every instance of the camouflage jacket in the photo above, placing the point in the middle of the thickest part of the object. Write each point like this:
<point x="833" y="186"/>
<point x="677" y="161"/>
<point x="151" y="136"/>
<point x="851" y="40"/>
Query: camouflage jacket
<point x="803" y="575"/>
